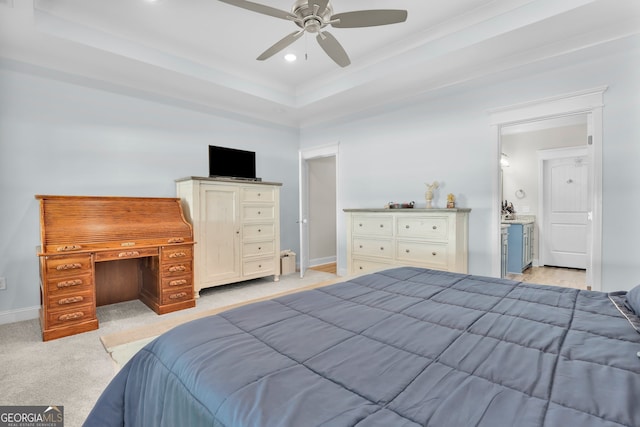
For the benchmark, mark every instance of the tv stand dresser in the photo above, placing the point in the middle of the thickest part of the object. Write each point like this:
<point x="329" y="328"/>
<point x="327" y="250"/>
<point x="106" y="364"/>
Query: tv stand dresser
<point x="103" y="250"/>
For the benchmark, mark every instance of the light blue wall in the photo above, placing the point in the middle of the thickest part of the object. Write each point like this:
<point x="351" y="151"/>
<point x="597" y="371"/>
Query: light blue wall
<point x="445" y="136"/>
<point x="61" y="138"/>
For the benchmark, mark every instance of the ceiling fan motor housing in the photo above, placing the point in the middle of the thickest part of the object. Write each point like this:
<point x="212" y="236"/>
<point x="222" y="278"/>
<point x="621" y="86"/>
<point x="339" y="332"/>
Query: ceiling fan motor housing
<point x="309" y="20"/>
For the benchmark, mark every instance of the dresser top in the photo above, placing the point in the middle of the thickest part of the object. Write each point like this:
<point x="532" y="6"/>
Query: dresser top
<point x="229" y="180"/>
<point x="416" y="210"/>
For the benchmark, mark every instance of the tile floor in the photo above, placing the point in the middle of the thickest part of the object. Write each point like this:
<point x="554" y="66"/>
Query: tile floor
<point x="558" y="276"/>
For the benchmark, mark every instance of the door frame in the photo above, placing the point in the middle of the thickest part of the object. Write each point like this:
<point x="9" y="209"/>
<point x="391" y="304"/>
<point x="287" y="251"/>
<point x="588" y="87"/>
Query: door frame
<point x="589" y="101"/>
<point x="305" y="155"/>
<point x="554" y="154"/>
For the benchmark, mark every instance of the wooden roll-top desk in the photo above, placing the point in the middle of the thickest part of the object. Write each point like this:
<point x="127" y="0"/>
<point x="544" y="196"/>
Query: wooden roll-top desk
<point x="103" y="250"/>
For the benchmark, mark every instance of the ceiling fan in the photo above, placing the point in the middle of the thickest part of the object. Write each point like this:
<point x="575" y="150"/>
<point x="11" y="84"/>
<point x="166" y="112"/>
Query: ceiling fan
<point x="313" y="16"/>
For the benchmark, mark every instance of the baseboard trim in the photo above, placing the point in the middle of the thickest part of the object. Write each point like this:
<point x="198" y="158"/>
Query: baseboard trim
<point x="12" y="316"/>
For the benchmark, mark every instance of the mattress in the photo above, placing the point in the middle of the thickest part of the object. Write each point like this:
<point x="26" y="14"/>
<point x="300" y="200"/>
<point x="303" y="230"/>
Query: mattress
<point x="404" y="347"/>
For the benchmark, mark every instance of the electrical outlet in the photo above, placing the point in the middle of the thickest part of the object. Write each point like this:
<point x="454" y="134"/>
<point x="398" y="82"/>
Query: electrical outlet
<point x="3" y="283"/>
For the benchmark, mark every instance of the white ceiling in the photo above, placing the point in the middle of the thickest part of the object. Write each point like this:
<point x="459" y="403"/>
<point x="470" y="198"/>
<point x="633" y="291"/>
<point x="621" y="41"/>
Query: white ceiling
<point x="202" y="52"/>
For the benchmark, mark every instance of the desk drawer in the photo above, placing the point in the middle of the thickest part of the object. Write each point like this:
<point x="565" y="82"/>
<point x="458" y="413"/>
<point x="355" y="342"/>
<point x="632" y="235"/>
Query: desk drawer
<point x="177" y="253"/>
<point x="172" y="296"/>
<point x="79" y="282"/>
<point x="173" y="283"/>
<point x="125" y="254"/>
<point x="176" y="269"/>
<point x="373" y="247"/>
<point x="70" y="316"/>
<point x="67" y="265"/>
<point x="68" y="301"/>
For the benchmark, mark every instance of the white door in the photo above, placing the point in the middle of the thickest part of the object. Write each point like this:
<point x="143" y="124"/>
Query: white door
<point x="566" y="194"/>
<point x="303" y="219"/>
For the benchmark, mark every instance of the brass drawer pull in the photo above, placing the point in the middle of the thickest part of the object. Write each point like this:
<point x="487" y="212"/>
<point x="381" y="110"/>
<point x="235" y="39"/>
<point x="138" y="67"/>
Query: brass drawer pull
<point x="178" y="255"/>
<point x="71" y="316"/>
<point x="68" y="248"/>
<point x="63" y="267"/>
<point x="175" y="268"/>
<point x="69" y="283"/>
<point x="70" y="300"/>
<point x="178" y="282"/>
<point x="128" y="254"/>
<point x="178" y="295"/>
<point x="176" y="240"/>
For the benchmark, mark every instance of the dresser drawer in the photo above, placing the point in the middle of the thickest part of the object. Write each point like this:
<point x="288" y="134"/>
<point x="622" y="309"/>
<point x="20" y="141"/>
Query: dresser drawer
<point x="430" y="228"/>
<point x="381" y="225"/>
<point x="263" y="194"/>
<point x="365" y="265"/>
<point x="177" y="253"/>
<point x="125" y="253"/>
<point x="435" y="255"/>
<point x="262" y="266"/>
<point x="171" y="296"/>
<point x="70" y="315"/>
<point x="258" y="231"/>
<point x="372" y="247"/>
<point x="258" y="248"/>
<point x="251" y="212"/>
<point x="67" y="265"/>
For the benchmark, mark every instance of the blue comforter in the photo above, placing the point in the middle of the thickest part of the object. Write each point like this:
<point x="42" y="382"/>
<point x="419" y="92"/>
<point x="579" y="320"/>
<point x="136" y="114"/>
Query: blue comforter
<point x="403" y="347"/>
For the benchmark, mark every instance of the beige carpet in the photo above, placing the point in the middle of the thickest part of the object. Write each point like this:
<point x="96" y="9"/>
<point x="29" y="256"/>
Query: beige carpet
<point x="122" y="345"/>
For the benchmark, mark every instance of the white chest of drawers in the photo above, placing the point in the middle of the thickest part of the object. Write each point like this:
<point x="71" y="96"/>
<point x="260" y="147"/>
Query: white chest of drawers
<point x="430" y="238"/>
<point x="236" y="225"/>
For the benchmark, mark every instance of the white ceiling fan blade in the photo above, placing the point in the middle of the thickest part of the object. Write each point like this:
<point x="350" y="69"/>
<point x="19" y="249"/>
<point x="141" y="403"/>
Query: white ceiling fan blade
<point x="260" y="8"/>
<point x="330" y="45"/>
<point x="321" y="4"/>
<point x="368" y="18"/>
<point x="286" y="41"/>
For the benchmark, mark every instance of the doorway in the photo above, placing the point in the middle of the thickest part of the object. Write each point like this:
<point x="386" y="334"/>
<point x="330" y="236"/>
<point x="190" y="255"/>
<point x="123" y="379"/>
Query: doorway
<point x="318" y="208"/>
<point x="588" y="102"/>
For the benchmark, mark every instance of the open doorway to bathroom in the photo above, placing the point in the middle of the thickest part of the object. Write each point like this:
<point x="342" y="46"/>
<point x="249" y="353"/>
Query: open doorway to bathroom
<point x="546" y="175"/>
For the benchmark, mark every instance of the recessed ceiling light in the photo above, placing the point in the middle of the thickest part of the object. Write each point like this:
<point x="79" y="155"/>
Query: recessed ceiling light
<point x="290" y="57"/>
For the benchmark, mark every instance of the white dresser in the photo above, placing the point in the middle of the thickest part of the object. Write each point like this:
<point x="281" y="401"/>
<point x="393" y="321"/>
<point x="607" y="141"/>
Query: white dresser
<point x="236" y="226"/>
<point x="430" y="238"/>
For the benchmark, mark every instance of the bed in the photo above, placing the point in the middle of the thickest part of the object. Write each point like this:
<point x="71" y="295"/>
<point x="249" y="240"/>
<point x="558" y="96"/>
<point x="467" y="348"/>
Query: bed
<point x="404" y="347"/>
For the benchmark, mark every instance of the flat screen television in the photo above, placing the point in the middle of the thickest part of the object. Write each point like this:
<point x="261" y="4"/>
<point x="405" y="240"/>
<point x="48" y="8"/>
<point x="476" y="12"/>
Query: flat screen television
<point x="232" y="163"/>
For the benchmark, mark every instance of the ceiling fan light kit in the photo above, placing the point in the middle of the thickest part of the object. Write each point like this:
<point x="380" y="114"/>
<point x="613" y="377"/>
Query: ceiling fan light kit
<point x="312" y="16"/>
